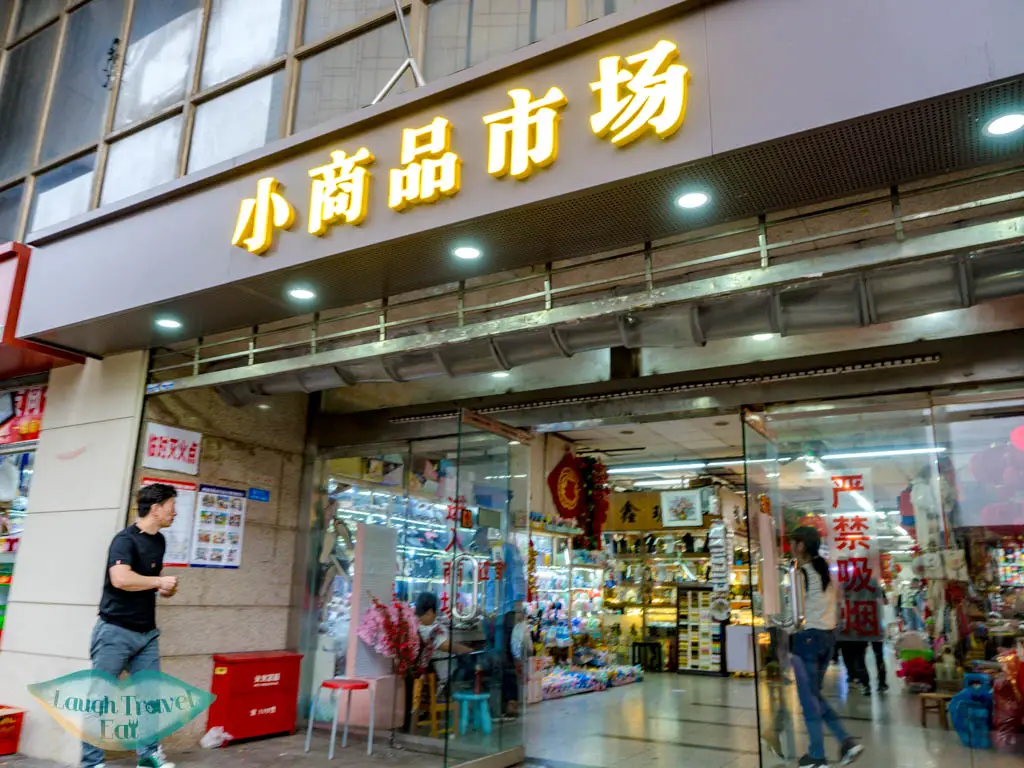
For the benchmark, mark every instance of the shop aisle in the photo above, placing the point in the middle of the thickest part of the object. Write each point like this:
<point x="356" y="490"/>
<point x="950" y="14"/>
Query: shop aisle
<point x="682" y="721"/>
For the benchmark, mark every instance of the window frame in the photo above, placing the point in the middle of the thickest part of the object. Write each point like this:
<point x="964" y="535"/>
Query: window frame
<point x="290" y="62"/>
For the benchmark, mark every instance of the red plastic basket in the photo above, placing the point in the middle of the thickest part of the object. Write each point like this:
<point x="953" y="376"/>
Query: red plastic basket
<point x="10" y="729"/>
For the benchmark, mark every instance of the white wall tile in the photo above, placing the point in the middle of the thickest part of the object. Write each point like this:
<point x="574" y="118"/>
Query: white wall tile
<point x="49" y="630"/>
<point x="100" y="390"/>
<point x="84" y="467"/>
<point x="62" y="557"/>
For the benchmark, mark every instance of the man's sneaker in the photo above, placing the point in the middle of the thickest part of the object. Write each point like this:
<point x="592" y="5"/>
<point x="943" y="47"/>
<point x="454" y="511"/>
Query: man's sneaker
<point x="812" y="762"/>
<point x="850" y="751"/>
<point x="883" y="687"/>
<point x="155" y="761"/>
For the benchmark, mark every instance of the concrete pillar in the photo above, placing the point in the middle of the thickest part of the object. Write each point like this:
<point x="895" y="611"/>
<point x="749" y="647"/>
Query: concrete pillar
<point x="77" y="502"/>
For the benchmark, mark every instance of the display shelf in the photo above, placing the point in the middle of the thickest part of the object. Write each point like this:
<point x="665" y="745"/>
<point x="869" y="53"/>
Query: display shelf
<point x="701" y="639"/>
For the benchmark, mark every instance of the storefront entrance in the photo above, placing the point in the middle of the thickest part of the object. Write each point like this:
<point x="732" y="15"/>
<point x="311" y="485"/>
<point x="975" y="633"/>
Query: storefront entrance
<point x="917" y="506"/>
<point x="451" y="513"/>
<point x="917" y="502"/>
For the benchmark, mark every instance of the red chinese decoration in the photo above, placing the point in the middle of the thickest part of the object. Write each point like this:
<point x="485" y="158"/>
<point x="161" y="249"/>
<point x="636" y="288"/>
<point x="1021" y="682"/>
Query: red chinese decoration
<point x="579" y="489"/>
<point x="566" y="486"/>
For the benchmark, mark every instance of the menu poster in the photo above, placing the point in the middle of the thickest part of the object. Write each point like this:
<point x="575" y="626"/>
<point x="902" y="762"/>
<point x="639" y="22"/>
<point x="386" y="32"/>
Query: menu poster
<point x="179" y="535"/>
<point x="220" y="522"/>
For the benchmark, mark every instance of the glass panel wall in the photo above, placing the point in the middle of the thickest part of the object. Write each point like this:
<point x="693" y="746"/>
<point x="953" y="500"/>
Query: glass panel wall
<point x="237" y="122"/>
<point x="916" y="505"/>
<point x="84" y="79"/>
<point x="598" y="8"/>
<point x="195" y="73"/>
<point x="26" y="74"/>
<point x="243" y="34"/>
<point x="349" y="75"/>
<point x="446" y="512"/>
<point x="10" y="204"/>
<point x="463" y="33"/>
<point x="160" y="58"/>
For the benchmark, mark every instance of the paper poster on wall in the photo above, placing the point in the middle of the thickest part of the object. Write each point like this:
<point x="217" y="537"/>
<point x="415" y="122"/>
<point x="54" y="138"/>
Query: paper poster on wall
<point x="682" y="509"/>
<point x="179" y="535"/>
<point x="219" y="525"/>
<point x="171" y="449"/>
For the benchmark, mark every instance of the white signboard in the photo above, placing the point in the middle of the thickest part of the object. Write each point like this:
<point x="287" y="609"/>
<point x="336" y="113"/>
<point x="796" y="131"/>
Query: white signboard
<point x="171" y="449"/>
<point x="179" y="535"/>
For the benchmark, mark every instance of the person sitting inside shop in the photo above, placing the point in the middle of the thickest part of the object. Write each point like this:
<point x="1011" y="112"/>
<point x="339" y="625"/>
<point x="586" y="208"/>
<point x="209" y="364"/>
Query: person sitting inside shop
<point x="436" y="640"/>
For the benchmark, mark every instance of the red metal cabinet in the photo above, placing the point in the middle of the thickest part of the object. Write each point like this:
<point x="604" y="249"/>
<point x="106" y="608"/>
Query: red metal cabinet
<point x="257" y="693"/>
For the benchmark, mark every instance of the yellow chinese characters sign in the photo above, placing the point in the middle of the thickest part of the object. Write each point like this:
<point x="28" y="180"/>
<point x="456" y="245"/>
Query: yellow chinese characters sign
<point x="429" y="167"/>
<point x="641" y="93"/>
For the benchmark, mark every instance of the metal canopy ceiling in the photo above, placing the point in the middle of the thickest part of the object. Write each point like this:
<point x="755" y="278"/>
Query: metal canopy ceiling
<point x="872" y="152"/>
<point x="842" y="288"/>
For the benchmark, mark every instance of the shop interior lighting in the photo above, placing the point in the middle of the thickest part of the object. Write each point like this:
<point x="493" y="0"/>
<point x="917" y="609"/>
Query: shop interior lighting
<point x="655" y="468"/>
<point x="763" y="336"/>
<point x="466" y="252"/>
<point x="169" y="323"/>
<point x="740" y="462"/>
<point x="658" y="483"/>
<point x="692" y="200"/>
<point x="1005" y="124"/>
<point x="501" y="374"/>
<point x="883" y="454"/>
<point x="264" y="406"/>
<point x="302" y="294"/>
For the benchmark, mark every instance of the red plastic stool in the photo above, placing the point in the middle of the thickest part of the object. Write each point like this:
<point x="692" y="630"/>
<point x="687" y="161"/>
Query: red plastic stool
<point x="342" y="684"/>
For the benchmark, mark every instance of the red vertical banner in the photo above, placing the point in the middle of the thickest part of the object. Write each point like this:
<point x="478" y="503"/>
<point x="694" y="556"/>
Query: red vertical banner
<point x="854" y="551"/>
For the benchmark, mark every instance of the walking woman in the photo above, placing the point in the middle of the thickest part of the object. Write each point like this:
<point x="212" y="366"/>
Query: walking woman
<point x="812" y="651"/>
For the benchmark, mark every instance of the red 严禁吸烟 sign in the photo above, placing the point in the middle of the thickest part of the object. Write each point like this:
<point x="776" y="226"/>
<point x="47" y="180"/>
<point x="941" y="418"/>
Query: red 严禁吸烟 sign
<point x="853" y="548"/>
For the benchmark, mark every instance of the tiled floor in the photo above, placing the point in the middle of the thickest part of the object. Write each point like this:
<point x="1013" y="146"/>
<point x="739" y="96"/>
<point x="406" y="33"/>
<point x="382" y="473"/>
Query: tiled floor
<point x="667" y="721"/>
<point x="682" y="721"/>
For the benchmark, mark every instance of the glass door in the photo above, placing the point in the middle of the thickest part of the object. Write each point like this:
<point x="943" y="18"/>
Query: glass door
<point x="774" y="607"/>
<point x="486" y="591"/>
<point x="872" y="485"/>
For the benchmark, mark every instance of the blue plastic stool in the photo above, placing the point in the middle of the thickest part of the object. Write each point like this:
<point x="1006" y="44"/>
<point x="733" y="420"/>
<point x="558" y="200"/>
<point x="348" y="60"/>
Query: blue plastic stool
<point x="474" y="710"/>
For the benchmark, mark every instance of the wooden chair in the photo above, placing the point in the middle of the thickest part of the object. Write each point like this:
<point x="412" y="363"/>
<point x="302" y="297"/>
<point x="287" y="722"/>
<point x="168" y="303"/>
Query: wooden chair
<point x="937" y="703"/>
<point x="431" y="712"/>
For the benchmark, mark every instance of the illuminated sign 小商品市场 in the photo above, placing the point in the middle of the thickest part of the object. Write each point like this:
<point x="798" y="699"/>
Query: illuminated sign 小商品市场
<point x="638" y="94"/>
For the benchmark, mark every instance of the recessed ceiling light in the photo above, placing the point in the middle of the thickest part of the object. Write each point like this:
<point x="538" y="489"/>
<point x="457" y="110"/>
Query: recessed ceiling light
<point x="763" y="336"/>
<point x="1006" y="124"/>
<point x="692" y="200"/>
<point x="467" y="252"/>
<point x="169" y="323"/>
<point x="501" y="374"/>
<point x="302" y="294"/>
<point x="264" y="406"/>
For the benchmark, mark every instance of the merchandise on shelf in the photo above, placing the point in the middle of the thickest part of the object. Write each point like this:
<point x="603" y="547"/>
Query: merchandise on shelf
<point x="700" y="635"/>
<point x="562" y="681"/>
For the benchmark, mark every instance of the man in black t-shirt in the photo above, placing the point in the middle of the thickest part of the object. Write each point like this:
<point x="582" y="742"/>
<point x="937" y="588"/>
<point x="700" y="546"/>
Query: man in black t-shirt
<point x="125" y="637"/>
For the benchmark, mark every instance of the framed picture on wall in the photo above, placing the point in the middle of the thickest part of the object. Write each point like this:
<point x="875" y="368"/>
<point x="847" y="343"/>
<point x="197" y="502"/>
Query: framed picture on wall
<point x="682" y="509"/>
